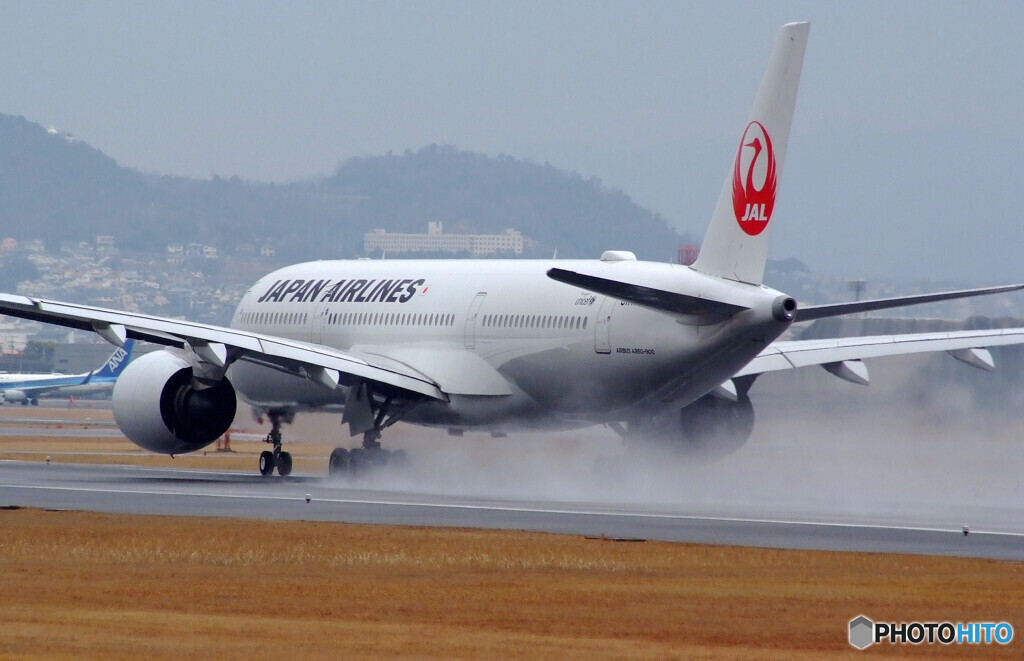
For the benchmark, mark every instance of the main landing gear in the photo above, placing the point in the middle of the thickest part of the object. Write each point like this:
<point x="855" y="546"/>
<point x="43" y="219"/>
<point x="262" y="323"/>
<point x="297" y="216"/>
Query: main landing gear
<point x="364" y="413"/>
<point x="276" y="458"/>
<point x="370" y="455"/>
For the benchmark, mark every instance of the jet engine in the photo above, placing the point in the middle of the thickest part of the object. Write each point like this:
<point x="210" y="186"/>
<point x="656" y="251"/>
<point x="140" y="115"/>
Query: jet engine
<point x="14" y="397"/>
<point x="157" y="406"/>
<point x="710" y="428"/>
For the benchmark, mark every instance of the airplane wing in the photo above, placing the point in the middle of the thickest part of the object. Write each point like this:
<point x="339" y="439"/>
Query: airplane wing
<point x="812" y="312"/>
<point x="220" y="346"/>
<point x="842" y="356"/>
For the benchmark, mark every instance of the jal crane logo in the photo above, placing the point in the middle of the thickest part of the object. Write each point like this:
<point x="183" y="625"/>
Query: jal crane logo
<point x="754" y="180"/>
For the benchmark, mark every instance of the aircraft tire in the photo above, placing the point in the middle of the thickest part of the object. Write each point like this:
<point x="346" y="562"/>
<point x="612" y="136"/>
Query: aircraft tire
<point x="284" y="464"/>
<point x="266" y="463"/>
<point x="339" y="462"/>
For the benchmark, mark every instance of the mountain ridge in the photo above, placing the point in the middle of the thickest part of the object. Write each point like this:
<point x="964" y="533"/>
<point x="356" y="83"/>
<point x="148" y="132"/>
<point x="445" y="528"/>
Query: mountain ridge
<point x="52" y="185"/>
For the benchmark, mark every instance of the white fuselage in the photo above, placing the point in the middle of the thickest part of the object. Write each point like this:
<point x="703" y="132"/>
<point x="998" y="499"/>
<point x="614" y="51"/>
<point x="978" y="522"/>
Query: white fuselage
<point x="565" y="356"/>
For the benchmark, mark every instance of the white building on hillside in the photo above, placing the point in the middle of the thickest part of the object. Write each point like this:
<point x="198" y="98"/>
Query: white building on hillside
<point x="435" y="240"/>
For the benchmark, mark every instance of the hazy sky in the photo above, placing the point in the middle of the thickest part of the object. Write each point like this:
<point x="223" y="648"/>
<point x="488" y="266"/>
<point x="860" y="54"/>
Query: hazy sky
<point x="904" y="158"/>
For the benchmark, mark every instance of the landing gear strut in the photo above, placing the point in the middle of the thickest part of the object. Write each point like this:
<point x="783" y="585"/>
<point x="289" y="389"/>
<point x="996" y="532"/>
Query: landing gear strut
<point x="276" y="458"/>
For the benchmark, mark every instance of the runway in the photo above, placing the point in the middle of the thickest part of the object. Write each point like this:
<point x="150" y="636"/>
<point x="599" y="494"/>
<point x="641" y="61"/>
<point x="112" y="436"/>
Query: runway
<point x="134" y="490"/>
<point x="54" y="432"/>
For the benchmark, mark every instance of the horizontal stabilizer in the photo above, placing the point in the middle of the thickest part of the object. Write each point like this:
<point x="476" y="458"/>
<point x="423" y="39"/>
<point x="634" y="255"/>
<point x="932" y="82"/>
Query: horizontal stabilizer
<point x="812" y="312"/>
<point x="657" y="299"/>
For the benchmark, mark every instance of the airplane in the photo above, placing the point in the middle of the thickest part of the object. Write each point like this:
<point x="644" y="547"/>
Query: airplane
<point x="28" y="388"/>
<point x="661" y="353"/>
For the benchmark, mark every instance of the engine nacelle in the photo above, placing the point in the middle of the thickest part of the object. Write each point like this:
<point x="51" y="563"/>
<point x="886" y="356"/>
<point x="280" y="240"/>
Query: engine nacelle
<point x="157" y="407"/>
<point x="710" y="428"/>
<point x="14" y="396"/>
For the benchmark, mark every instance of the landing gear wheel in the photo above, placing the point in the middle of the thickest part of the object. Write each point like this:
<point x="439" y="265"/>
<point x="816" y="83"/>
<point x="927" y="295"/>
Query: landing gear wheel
<point x="267" y="463"/>
<point x="339" y="462"/>
<point x="284" y="464"/>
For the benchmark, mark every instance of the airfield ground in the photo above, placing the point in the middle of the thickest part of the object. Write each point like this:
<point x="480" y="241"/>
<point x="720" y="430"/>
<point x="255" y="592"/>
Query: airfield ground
<point x="97" y="586"/>
<point x="94" y="586"/>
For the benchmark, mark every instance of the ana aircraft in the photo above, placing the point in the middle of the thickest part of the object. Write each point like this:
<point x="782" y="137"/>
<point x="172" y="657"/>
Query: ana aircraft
<point x="28" y="388"/>
<point x="656" y="351"/>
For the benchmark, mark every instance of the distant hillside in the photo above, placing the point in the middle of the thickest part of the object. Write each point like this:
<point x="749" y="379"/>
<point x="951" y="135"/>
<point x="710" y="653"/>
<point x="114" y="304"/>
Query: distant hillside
<point x="56" y="188"/>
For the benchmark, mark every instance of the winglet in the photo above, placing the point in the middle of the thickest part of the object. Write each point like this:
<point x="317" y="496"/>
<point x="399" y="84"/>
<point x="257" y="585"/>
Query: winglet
<point x="736" y="243"/>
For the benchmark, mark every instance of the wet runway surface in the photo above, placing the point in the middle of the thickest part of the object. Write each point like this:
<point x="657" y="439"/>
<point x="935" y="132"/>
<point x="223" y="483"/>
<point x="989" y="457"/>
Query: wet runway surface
<point x="135" y="490"/>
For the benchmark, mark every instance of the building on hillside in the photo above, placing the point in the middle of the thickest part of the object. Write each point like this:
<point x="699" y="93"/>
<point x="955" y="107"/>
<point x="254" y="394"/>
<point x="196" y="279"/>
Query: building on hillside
<point x="175" y="253"/>
<point x="435" y="240"/>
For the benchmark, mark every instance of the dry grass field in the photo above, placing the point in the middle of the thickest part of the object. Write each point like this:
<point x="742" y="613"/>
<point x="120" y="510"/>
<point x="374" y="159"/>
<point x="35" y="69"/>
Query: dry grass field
<point x="92" y="586"/>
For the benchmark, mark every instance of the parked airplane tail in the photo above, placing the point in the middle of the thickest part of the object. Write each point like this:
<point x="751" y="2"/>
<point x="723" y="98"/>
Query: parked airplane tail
<point x="115" y="363"/>
<point x="736" y="243"/>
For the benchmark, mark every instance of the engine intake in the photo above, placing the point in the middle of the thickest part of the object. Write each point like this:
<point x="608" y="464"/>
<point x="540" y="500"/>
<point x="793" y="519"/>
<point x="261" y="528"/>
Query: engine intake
<point x="157" y="407"/>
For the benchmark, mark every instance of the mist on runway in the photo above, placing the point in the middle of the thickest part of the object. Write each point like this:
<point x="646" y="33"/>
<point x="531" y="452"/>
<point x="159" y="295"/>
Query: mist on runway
<point x="927" y="445"/>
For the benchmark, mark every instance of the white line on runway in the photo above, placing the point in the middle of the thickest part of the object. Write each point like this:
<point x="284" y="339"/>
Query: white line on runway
<point x="525" y="510"/>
